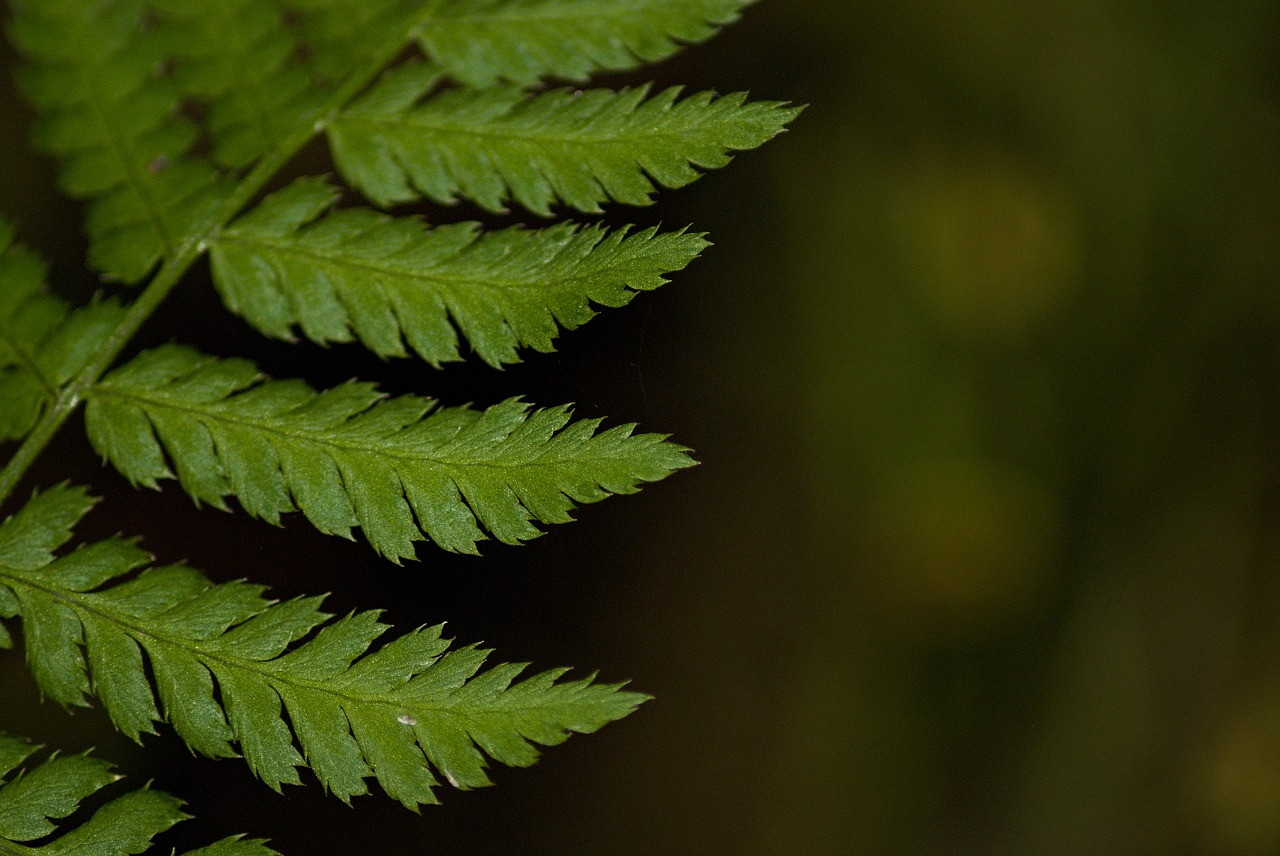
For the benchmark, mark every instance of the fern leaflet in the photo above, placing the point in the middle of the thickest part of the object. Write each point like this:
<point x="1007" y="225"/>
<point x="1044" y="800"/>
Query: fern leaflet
<point x="482" y="41"/>
<point x="32" y="798"/>
<point x="27" y="316"/>
<point x="114" y="123"/>
<point x="289" y="263"/>
<point x="340" y="35"/>
<point x="43" y="343"/>
<point x="397" y="468"/>
<point x="395" y="714"/>
<point x="238" y="56"/>
<point x="500" y="143"/>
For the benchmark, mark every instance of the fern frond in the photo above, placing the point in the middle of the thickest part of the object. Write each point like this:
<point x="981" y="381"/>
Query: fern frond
<point x="43" y="342"/>
<point x="334" y="274"/>
<point x="283" y="672"/>
<point x="32" y="798"/>
<point x="580" y="148"/>
<point x="113" y="121"/>
<point x="239" y="58"/>
<point x="482" y="41"/>
<point x="397" y="468"/>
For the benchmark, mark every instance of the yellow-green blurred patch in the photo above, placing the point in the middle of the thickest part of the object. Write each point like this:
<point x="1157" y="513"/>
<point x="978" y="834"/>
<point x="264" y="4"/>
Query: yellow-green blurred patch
<point x="964" y="542"/>
<point x="1237" y="784"/>
<point x="992" y="249"/>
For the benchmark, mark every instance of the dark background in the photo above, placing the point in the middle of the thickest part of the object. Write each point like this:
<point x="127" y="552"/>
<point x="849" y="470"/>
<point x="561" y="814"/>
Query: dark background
<point x="982" y="556"/>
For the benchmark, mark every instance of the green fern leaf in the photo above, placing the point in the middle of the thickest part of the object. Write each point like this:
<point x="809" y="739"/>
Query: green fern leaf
<point x="481" y="41"/>
<point x="114" y="122"/>
<point x="234" y="846"/>
<point x="580" y="148"/>
<point x="28" y="540"/>
<point x="339" y="35"/>
<point x="239" y="58"/>
<point x="389" y="280"/>
<point x="53" y="790"/>
<point x="27" y="316"/>
<point x="398" y="468"/>
<point x="43" y="343"/>
<point x="35" y="797"/>
<point x="283" y="671"/>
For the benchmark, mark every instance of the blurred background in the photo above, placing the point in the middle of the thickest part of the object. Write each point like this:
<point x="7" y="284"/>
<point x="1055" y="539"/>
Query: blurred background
<point x="982" y="557"/>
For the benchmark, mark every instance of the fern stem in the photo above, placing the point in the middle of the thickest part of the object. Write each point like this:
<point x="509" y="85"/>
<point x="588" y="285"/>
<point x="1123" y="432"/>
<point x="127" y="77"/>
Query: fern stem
<point x="179" y="262"/>
<point x="70" y="396"/>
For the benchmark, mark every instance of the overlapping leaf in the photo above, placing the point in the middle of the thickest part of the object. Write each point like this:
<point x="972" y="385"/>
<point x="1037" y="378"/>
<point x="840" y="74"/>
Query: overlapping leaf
<point x="93" y="72"/>
<point x="340" y="35"/>
<point x="27" y="316"/>
<point x="356" y="272"/>
<point x="239" y="58"/>
<point x="43" y="343"/>
<point x="32" y="798"/>
<point x="482" y="41"/>
<point x="399" y="468"/>
<point x="581" y="148"/>
<point x="226" y="666"/>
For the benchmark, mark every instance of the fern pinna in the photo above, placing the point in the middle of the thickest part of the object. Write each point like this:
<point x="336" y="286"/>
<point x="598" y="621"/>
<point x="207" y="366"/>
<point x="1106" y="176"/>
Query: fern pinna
<point x="170" y="119"/>
<point x="32" y="798"/>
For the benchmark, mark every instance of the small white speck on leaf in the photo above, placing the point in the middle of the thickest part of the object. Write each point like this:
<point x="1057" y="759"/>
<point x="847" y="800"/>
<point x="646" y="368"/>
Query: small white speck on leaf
<point x="406" y="719"/>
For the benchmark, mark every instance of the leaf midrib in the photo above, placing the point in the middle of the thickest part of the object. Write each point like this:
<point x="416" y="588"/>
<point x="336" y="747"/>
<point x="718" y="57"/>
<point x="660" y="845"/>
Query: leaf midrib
<point x="446" y="283"/>
<point x="126" y="155"/>
<point x="450" y="467"/>
<point x="415" y="123"/>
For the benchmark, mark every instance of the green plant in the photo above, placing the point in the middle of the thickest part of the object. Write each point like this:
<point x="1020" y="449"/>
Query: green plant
<point x="171" y="118"/>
